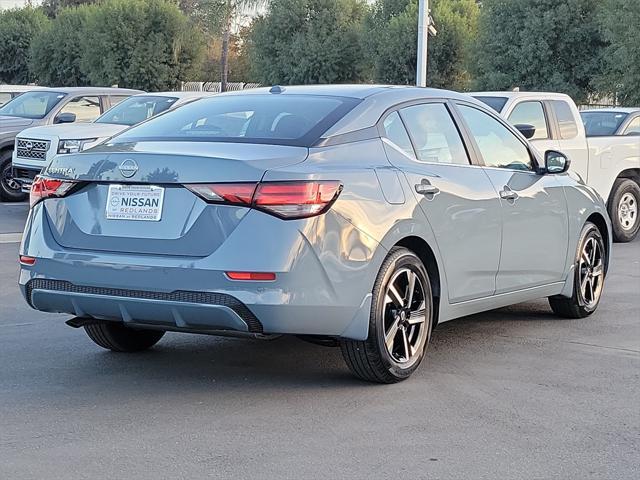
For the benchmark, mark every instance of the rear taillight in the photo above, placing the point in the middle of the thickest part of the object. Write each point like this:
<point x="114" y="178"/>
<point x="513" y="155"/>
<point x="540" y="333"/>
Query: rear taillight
<point x="288" y="200"/>
<point x="43" y="187"/>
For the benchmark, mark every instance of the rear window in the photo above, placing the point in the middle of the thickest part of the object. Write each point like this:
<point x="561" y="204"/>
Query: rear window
<point x="497" y="103"/>
<point x="275" y="119"/>
<point x="601" y="124"/>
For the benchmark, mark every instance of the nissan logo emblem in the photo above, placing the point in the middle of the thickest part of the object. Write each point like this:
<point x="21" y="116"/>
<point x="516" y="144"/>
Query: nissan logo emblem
<point x="28" y="146"/>
<point x="128" y="168"/>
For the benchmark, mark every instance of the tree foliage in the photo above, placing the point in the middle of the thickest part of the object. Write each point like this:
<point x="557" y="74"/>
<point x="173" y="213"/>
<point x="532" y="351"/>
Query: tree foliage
<point x="18" y="28"/>
<point x="56" y="53"/>
<point x="53" y="7"/>
<point x="146" y="44"/>
<point x="620" y="21"/>
<point x="392" y="38"/>
<point x="539" y="45"/>
<point x="308" y="41"/>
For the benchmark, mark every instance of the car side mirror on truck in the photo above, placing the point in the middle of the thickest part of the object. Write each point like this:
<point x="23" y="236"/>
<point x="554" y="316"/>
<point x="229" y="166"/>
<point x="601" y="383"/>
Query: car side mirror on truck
<point x="527" y="131"/>
<point x="65" y="117"/>
<point x="556" y="162"/>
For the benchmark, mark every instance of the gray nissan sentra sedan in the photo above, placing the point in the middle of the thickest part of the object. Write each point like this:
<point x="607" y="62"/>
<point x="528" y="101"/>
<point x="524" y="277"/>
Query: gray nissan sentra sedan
<point x="355" y="215"/>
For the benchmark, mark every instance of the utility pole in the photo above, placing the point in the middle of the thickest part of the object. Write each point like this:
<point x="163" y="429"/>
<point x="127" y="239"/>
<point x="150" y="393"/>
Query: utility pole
<point x="425" y="28"/>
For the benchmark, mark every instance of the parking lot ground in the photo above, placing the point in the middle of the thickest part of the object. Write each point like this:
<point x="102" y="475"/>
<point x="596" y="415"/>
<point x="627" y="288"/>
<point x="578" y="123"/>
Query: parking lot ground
<point x="515" y="393"/>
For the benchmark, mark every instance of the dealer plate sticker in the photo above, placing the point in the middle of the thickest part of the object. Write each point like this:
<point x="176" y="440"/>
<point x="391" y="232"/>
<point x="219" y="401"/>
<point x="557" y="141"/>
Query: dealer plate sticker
<point x="135" y="202"/>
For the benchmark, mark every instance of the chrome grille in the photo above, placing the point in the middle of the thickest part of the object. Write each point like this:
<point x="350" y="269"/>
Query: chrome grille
<point x="33" y="149"/>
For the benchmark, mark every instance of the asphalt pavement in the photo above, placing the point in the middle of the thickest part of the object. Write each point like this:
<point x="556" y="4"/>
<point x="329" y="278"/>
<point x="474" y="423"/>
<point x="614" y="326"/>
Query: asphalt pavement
<point x="515" y="393"/>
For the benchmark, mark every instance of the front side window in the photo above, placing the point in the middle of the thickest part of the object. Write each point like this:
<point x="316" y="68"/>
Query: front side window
<point x="35" y="105"/>
<point x="282" y="119"/>
<point x="434" y="134"/>
<point x="86" y="109"/>
<point x="531" y="113"/>
<point x="395" y="132"/>
<point x="566" y="120"/>
<point x="136" y="109"/>
<point x="634" y="127"/>
<point x="498" y="146"/>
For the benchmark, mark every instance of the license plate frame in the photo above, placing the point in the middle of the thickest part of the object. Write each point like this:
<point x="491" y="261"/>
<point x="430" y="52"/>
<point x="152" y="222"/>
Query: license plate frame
<point x="138" y="203"/>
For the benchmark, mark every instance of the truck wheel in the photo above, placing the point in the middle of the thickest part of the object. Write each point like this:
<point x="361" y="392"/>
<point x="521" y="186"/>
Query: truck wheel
<point x="118" y="338"/>
<point x="588" y="278"/>
<point x="400" y="322"/>
<point x="624" y="209"/>
<point x="9" y="188"/>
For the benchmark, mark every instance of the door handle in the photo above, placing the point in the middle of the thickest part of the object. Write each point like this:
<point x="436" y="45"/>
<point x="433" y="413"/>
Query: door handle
<point x="427" y="189"/>
<point x="508" y="194"/>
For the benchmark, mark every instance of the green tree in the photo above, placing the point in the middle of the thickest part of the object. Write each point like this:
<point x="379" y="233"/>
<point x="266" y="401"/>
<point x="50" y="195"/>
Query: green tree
<point x="18" y="27"/>
<point x="539" y="45"/>
<point x="621" y="28"/>
<point x="53" y="7"/>
<point x="146" y="44"/>
<point x="308" y="41"/>
<point x="392" y="33"/>
<point x="56" y="53"/>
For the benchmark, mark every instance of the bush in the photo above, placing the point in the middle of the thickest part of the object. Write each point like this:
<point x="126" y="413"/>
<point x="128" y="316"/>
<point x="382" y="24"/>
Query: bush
<point x="17" y="29"/>
<point x="145" y="44"/>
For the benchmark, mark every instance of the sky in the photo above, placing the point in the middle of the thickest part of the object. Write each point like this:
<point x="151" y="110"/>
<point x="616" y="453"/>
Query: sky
<point x="15" y="3"/>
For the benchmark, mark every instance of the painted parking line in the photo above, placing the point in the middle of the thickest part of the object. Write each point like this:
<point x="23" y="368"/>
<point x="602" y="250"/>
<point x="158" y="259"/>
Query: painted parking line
<point x="12" y="204"/>
<point x="10" y="237"/>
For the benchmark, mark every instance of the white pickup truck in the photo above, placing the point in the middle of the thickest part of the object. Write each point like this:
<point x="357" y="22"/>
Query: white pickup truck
<point x="610" y="164"/>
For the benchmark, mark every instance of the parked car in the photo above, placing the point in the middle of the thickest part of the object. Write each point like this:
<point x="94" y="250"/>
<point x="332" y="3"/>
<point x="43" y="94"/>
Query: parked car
<point x="362" y="215"/>
<point x="9" y="92"/>
<point x="611" y="165"/>
<point x="609" y="122"/>
<point x="47" y="106"/>
<point x="72" y="138"/>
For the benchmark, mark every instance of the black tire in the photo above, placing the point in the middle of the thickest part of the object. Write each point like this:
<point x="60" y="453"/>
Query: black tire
<point x="628" y="189"/>
<point x="119" y="338"/>
<point x="370" y="359"/>
<point x="579" y="305"/>
<point x="9" y="189"/>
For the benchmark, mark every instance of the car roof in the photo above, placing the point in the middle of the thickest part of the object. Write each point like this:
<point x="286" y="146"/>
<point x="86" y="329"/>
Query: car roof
<point x="19" y="88"/>
<point x="179" y="95"/>
<point x="512" y="94"/>
<point x="95" y="90"/>
<point x="612" y="110"/>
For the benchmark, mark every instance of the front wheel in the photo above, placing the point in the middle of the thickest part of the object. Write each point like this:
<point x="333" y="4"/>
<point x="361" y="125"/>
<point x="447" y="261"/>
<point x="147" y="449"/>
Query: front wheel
<point x="400" y="322"/>
<point x="588" y="279"/>
<point x="10" y="189"/>
<point x="116" y="337"/>
<point x="624" y="209"/>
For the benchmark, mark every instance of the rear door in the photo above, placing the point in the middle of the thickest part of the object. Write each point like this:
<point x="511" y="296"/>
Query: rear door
<point x="456" y="198"/>
<point x="534" y="209"/>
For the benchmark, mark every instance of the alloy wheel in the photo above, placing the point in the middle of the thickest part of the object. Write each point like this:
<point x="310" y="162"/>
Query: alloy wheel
<point x="405" y="318"/>
<point x="628" y="211"/>
<point x="591" y="272"/>
<point x="8" y="180"/>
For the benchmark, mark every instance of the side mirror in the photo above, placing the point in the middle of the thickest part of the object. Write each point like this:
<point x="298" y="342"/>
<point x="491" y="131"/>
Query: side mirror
<point x="65" y="117"/>
<point x="528" y="131"/>
<point x="556" y="162"/>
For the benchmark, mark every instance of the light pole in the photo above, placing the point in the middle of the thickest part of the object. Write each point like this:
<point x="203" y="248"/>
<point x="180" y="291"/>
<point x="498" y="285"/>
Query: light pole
<point x="425" y="28"/>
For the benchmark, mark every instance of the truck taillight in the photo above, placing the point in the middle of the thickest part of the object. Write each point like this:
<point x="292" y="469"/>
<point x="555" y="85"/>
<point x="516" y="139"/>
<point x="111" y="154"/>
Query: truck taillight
<point x="287" y="200"/>
<point x="43" y="187"/>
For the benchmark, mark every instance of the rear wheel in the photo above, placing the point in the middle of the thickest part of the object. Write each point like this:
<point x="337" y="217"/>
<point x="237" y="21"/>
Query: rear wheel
<point x="589" y="273"/>
<point x="400" y="322"/>
<point x="118" y="338"/>
<point x="624" y="209"/>
<point x="10" y="189"/>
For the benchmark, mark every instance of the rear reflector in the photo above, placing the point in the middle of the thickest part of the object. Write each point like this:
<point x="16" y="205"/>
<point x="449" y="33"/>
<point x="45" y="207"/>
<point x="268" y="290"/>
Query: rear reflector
<point x="288" y="200"/>
<point x="43" y="187"/>
<point x="24" y="260"/>
<point x="255" y="276"/>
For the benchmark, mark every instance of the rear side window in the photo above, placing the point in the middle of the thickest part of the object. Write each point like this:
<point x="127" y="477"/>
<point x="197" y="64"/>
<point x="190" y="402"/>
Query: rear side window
<point x="531" y="113"/>
<point x="395" y="132"/>
<point x="435" y="136"/>
<point x="278" y="119"/>
<point x="566" y="120"/>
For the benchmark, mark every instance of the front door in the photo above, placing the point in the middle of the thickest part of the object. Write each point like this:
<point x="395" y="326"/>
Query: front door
<point x="534" y="208"/>
<point x="456" y="198"/>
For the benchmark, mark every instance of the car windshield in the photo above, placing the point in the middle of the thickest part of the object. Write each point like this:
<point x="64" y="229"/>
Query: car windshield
<point x="36" y="104"/>
<point x="136" y="109"/>
<point x="278" y="119"/>
<point x="602" y="124"/>
<point x="497" y="103"/>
